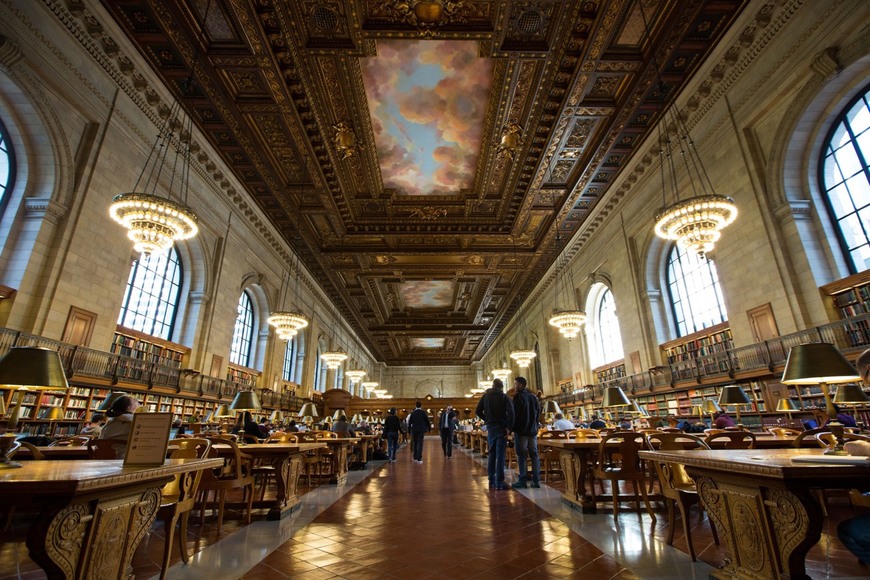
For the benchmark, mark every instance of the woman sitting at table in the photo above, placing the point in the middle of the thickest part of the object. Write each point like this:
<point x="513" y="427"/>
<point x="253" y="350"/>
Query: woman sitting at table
<point x="246" y="425"/>
<point x="120" y="422"/>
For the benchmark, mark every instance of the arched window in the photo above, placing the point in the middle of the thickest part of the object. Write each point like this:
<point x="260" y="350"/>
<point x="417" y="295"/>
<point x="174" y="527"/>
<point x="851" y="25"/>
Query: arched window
<point x="7" y="165"/>
<point x="693" y="286"/>
<point x="319" y="371"/>
<point x="605" y="340"/>
<point x="151" y="297"/>
<point x="290" y="361"/>
<point x="845" y="177"/>
<point x="243" y="332"/>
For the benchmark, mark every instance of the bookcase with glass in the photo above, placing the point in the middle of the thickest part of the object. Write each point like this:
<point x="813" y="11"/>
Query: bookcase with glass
<point x="851" y="299"/>
<point x="683" y="354"/>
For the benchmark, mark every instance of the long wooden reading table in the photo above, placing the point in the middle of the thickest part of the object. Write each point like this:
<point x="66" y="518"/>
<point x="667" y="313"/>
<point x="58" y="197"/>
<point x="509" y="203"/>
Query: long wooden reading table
<point x="92" y="513"/>
<point x="763" y="504"/>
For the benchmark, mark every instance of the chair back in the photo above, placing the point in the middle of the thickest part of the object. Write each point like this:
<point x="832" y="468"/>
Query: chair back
<point x="326" y="435"/>
<point x="184" y="485"/>
<point x="236" y="466"/>
<point x="673" y="475"/>
<point x="248" y="438"/>
<point x="784" y="431"/>
<point x="731" y="440"/>
<point x="105" y="448"/>
<point x="827" y="439"/>
<point x="35" y="453"/>
<point x="281" y="437"/>
<point x="554" y="435"/>
<point x="798" y="441"/>
<point x="584" y="434"/>
<point x="619" y="452"/>
<point x="672" y="430"/>
<point x="189" y="448"/>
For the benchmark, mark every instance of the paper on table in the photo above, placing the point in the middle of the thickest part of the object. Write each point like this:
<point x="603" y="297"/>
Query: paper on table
<point x="838" y="459"/>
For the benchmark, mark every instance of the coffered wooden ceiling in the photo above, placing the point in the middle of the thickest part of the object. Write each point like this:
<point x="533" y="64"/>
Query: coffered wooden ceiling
<point x="280" y="89"/>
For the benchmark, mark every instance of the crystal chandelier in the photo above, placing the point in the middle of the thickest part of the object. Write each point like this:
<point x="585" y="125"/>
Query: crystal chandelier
<point x="355" y="375"/>
<point x="333" y="359"/>
<point x="155" y="222"/>
<point x="369" y="386"/>
<point x="523" y="358"/>
<point x="286" y="322"/>
<point x="568" y="321"/>
<point x="484" y="385"/>
<point x="694" y="223"/>
<point x="501" y="374"/>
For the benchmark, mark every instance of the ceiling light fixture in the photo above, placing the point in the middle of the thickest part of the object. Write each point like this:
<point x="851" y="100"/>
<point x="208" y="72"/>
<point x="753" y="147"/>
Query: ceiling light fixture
<point x="286" y="322"/>
<point x="694" y="223"/>
<point x="522" y="356"/>
<point x="333" y="359"/>
<point x="568" y="321"/>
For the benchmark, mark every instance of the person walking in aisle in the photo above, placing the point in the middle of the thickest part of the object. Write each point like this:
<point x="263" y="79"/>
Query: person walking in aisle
<point x="392" y="426"/>
<point x="418" y="425"/>
<point x="497" y="411"/>
<point x="447" y="423"/>
<point x="526" y="413"/>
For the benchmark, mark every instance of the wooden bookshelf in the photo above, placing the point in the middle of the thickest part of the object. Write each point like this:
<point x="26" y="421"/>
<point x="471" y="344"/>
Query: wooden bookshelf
<point x="134" y="344"/>
<point x="609" y="371"/>
<point x="242" y="375"/>
<point x="684" y="355"/>
<point x="850" y="297"/>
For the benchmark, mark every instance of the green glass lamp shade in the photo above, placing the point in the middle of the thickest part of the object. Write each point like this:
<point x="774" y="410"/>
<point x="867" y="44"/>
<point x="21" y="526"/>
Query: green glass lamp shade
<point x="246" y="401"/>
<point x="850" y="394"/>
<point x="32" y="368"/>
<point x="787" y="405"/>
<point x="818" y="362"/>
<point x="733" y="395"/>
<point x="615" y="397"/>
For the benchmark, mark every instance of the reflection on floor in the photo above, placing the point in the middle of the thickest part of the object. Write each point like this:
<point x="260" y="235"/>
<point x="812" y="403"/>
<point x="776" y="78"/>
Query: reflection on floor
<point x="439" y="519"/>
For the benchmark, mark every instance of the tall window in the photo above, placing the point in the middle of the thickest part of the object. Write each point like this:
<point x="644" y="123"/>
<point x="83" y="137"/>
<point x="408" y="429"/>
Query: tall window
<point x="694" y="291"/>
<point x="605" y="344"/>
<point x="319" y="371"/>
<point x="151" y="297"/>
<point x="846" y="180"/>
<point x="7" y="165"/>
<point x="290" y="361"/>
<point x="243" y="332"/>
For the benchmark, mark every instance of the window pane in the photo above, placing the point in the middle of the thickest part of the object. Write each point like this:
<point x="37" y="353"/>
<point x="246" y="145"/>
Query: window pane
<point x="609" y="337"/>
<point x="848" y="202"/>
<point x="696" y="297"/>
<point x="290" y="360"/>
<point x="243" y="332"/>
<point x="151" y="297"/>
<point x="7" y="164"/>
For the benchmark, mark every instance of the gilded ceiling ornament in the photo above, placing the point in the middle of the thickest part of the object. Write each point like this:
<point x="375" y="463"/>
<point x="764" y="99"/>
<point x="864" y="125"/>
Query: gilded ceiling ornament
<point x="428" y="213"/>
<point x="510" y="140"/>
<point x="344" y="140"/>
<point x="426" y="14"/>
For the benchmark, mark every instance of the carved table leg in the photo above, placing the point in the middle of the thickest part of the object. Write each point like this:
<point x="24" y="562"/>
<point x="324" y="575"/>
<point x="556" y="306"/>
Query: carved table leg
<point x="339" y="465"/>
<point x="768" y="530"/>
<point x="287" y="472"/>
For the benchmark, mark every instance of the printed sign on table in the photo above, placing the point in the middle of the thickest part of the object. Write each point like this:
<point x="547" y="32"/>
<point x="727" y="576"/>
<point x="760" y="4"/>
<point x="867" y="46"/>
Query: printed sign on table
<point x="149" y="439"/>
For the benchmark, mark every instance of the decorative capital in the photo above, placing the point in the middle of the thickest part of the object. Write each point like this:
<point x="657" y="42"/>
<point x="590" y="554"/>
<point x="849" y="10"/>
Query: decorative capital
<point x="43" y="208"/>
<point x="795" y="209"/>
<point x="198" y="297"/>
<point x="10" y="53"/>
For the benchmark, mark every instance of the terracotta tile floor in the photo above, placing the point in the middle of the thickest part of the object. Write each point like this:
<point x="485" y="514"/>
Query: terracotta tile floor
<point x="439" y="520"/>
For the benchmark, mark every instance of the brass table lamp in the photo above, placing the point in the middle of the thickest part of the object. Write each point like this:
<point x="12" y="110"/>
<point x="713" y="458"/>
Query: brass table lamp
<point x="788" y="406"/>
<point x="820" y="363"/>
<point x="734" y="395"/>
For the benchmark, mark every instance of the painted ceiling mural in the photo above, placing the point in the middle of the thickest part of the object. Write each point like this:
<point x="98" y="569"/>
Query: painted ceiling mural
<point x="427" y="294"/>
<point x="427" y="343"/>
<point x="427" y="100"/>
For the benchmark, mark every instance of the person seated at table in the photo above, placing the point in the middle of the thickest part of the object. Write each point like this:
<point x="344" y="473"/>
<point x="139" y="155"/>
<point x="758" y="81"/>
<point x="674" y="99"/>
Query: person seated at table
<point x="120" y="422"/>
<point x="844" y="419"/>
<point x="94" y="427"/>
<point x="245" y="425"/>
<point x="560" y="423"/>
<point x="291" y="427"/>
<point x="597" y="423"/>
<point x="178" y="425"/>
<point x="625" y="424"/>
<point x="722" y="419"/>
<point x="342" y="427"/>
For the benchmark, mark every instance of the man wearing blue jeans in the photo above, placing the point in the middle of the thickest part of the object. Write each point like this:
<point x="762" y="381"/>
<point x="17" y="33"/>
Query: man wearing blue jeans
<point x="497" y="411"/>
<point x="527" y="409"/>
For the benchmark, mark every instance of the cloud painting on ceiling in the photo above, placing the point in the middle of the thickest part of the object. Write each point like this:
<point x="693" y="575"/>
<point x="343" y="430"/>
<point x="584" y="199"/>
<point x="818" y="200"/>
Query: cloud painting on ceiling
<point x="427" y="100"/>
<point x="427" y="294"/>
<point x="427" y="342"/>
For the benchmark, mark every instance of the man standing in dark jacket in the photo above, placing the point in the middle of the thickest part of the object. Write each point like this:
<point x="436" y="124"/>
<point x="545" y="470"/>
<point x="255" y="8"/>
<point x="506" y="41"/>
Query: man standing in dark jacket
<point x="497" y="411"/>
<point x="526" y="411"/>
<point x="418" y="424"/>
<point x="447" y="424"/>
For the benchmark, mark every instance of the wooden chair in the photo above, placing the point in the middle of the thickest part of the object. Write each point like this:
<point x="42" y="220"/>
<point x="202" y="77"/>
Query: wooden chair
<point x="178" y="497"/>
<point x="35" y="453"/>
<point x="618" y="460"/>
<point x="677" y="487"/>
<point x="235" y="474"/>
<point x="282" y="437"/>
<point x="248" y="438"/>
<point x="77" y="441"/>
<point x="550" y="455"/>
<point x="784" y="431"/>
<point x="106" y="448"/>
<point x="732" y="440"/>
<point x="584" y="434"/>
<point x="827" y="440"/>
<point x="799" y="439"/>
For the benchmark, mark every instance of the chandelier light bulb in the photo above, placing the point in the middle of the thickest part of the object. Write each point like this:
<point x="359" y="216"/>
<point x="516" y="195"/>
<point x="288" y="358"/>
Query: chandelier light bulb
<point x="287" y="324"/>
<point x="568" y="322"/>
<point x="355" y="375"/>
<point x="333" y="359"/>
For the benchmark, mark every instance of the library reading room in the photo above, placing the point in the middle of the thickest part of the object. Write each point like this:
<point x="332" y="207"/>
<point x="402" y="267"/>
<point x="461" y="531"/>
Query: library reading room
<point x="472" y="289"/>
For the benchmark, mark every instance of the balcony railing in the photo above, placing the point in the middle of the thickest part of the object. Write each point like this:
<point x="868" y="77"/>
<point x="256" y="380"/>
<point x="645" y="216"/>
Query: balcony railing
<point x="83" y="364"/>
<point x="850" y="336"/>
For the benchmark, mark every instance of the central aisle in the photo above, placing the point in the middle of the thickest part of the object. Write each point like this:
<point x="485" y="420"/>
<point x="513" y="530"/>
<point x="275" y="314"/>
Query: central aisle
<point x="439" y="519"/>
